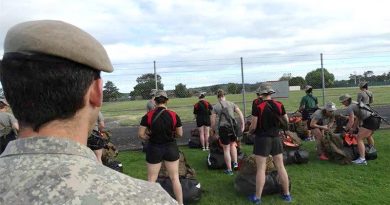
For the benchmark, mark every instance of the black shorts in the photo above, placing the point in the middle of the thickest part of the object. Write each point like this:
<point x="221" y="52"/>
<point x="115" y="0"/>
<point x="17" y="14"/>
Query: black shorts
<point x="156" y="153"/>
<point x="226" y="135"/>
<point x="372" y="123"/>
<point x="203" y="121"/>
<point x="267" y="145"/>
<point x="95" y="141"/>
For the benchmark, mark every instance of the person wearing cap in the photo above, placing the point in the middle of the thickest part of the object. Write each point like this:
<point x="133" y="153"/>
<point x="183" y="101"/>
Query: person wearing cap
<point x="266" y="124"/>
<point x="95" y="141"/>
<point x="365" y="96"/>
<point x="50" y="73"/>
<point x="308" y="105"/>
<point x="164" y="125"/>
<point x="227" y="128"/>
<point x="151" y="103"/>
<point x="8" y="125"/>
<point x="361" y="120"/>
<point x="322" y="121"/>
<point x="202" y="112"/>
<point x="258" y="99"/>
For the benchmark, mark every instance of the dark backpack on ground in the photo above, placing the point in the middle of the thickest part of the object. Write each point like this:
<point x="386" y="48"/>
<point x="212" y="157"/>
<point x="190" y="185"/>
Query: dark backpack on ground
<point x="215" y="158"/>
<point x="194" y="141"/>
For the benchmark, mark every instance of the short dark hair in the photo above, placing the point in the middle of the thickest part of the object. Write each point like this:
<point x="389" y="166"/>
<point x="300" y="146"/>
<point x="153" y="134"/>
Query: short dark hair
<point x="309" y="90"/>
<point x="160" y="100"/>
<point x="42" y="88"/>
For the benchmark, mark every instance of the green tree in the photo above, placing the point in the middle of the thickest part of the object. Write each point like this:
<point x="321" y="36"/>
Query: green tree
<point x="146" y="83"/>
<point x="314" y="78"/>
<point x="214" y="88"/>
<point x="286" y="76"/>
<point x="110" y="92"/>
<point x="297" y="81"/>
<point x="181" y="91"/>
<point x="232" y="88"/>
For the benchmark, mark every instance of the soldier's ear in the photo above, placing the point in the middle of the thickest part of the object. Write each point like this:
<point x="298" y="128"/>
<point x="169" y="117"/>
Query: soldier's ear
<point x="96" y="93"/>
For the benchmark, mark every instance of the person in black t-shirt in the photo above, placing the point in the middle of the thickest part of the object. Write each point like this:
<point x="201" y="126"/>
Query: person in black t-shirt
<point x="163" y="126"/>
<point x="202" y="112"/>
<point x="266" y="119"/>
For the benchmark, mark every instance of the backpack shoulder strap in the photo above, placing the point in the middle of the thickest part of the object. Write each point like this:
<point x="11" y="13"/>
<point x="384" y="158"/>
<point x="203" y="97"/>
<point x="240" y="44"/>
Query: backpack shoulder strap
<point x="149" y="117"/>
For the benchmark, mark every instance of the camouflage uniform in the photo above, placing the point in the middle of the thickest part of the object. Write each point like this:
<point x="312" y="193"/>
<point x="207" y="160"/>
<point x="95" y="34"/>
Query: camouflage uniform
<point x="6" y="122"/>
<point x="47" y="170"/>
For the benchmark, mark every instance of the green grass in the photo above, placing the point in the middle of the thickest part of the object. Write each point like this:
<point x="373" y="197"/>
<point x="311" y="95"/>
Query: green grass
<point x="318" y="182"/>
<point x="129" y="113"/>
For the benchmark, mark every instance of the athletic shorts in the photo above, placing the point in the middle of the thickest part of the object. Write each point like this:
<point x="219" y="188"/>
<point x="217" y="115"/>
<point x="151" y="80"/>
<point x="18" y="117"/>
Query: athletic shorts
<point x="156" y="153"/>
<point x="226" y="135"/>
<point x="95" y="141"/>
<point x="372" y="123"/>
<point x="203" y="121"/>
<point x="267" y="145"/>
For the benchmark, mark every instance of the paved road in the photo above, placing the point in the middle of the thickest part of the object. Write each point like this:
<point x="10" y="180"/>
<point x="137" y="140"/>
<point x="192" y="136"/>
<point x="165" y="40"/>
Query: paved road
<point x="125" y="138"/>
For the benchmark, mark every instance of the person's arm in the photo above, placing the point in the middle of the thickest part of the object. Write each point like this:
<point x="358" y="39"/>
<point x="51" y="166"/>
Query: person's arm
<point x="351" y="121"/>
<point x="101" y="126"/>
<point x="331" y="122"/>
<point x="142" y="133"/>
<point x="238" y="111"/>
<point x="253" y="126"/>
<point x="212" y="120"/>
<point x="313" y="124"/>
<point x="179" y="131"/>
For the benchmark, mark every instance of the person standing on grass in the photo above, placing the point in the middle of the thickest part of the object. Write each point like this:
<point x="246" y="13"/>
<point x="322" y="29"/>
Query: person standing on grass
<point x="366" y="97"/>
<point x="322" y="121"/>
<point x="202" y="112"/>
<point x="266" y="119"/>
<point x="227" y="128"/>
<point x="163" y="126"/>
<point x="369" y="124"/>
<point x="258" y="99"/>
<point x="151" y="103"/>
<point x="308" y="105"/>
<point x="8" y="125"/>
<point x="50" y="73"/>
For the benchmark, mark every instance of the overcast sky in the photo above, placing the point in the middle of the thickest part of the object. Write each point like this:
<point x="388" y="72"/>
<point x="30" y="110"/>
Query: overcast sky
<point x="200" y="42"/>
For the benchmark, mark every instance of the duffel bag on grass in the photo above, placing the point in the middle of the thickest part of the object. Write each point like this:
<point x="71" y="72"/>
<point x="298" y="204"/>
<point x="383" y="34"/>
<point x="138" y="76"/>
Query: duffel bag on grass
<point x="114" y="164"/>
<point x="295" y="157"/>
<point x="246" y="184"/>
<point x="191" y="188"/>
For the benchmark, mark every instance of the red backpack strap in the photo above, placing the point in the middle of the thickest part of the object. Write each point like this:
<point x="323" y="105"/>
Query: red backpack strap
<point x="149" y="117"/>
<point x="206" y="104"/>
<point x="174" y="120"/>
<point x="260" y="107"/>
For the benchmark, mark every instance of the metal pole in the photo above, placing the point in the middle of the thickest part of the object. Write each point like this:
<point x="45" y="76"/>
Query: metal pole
<point x="243" y="87"/>
<point x="323" y="81"/>
<point x="155" y="74"/>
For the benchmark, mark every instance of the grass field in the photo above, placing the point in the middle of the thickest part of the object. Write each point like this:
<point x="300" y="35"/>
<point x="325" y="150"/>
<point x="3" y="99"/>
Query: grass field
<point x="317" y="183"/>
<point x="129" y="113"/>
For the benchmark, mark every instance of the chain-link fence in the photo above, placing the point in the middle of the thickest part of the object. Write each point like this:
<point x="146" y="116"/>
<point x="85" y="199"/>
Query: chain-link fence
<point x="330" y="75"/>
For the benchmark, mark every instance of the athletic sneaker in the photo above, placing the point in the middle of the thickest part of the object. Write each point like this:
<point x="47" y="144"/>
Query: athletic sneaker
<point x="286" y="198"/>
<point x="360" y="161"/>
<point x="252" y="198"/>
<point x="203" y="149"/>
<point x="235" y="166"/>
<point x="228" y="172"/>
<point x="207" y="149"/>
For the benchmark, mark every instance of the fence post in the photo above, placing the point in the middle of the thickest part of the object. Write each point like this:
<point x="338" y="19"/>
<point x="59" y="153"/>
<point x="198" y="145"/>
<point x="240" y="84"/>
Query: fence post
<point x="243" y="87"/>
<point x="155" y="73"/>
<point x="323" y="81"/>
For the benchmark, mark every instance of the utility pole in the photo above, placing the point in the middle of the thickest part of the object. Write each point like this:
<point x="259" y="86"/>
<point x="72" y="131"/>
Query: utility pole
<point x="155" y="74"/>
<point x="243" y="87"/>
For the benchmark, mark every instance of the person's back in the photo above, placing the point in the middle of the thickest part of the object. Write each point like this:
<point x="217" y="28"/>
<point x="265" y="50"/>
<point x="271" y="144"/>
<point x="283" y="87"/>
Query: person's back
<point x="365" y="96"/>
<point x="52" y="82"/>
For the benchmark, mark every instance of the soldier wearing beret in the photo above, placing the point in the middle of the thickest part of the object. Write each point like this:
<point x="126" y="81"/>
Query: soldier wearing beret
<point x="50" y="73"/>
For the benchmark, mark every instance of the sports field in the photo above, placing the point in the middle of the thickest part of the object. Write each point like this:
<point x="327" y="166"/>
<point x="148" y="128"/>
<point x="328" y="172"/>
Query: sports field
<point x="129" y="113"/>
<point x="317" y="183"/>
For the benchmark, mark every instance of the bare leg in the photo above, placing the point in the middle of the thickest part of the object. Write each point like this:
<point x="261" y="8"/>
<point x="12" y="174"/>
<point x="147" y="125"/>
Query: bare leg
<point x="260" y="174"/>
<point x="173" y="172"/>
<point x="226" y="155"/>
<point x="153" y="170"/>
<point x="370" y="140"/>
<point x="278" y="160"/>
<point x="206" y="135"/>
<point x="201" y="136"/>
<point x="233" y="152"/>
<point x="363" y="133"/>
<point x="99" y="154"/>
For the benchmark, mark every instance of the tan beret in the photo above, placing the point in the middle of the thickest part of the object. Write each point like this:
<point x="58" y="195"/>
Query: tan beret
<point x="59" y="39"/>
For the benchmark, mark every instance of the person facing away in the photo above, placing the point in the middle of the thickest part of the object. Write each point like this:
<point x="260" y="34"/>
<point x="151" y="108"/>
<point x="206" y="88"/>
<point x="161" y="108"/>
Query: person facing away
<point x="8" y="125"/>
<point x="226" y="129"/>
<point x="365" y="96"/>
<point x="202" y="112"/>
<point x="258" y="99"/>
<point x="360" y="120"/>
<point x="322" y="121"/>
<point x="95" y="141"/>
<point x="151" y="104"/>
<point x="308" y="105"/>
<point x="50" y="73"/>
<point x="164" y="125"/>
<point x="266" y="119"/>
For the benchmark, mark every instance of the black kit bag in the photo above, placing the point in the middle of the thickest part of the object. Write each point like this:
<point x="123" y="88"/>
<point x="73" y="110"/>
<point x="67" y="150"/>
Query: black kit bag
<point x="371" y="152"/>
<point x="191" y="188"/>
<point x="194" y="141"/>
<point x="114" y="164"/>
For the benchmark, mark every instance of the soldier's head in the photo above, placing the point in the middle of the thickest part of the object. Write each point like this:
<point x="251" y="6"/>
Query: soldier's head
<point x="202" y="95"/>
<point x="51" y="71"/>
<point x="161" y="97"/>
<point x="345" y="99"/>
<point x="220" y="94"/>
<point x="265" y="90"/>
<point x="308" y="89"/>
<point x="363" y="85"/>
<point x="329" y="108"/>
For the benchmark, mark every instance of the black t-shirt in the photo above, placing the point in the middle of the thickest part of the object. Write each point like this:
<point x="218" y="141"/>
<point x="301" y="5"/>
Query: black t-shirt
<point x="202" y="108"/>
<point x="256" y="102"/>
<point x="162" y="128"/>
<point x="268" y="123"/>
